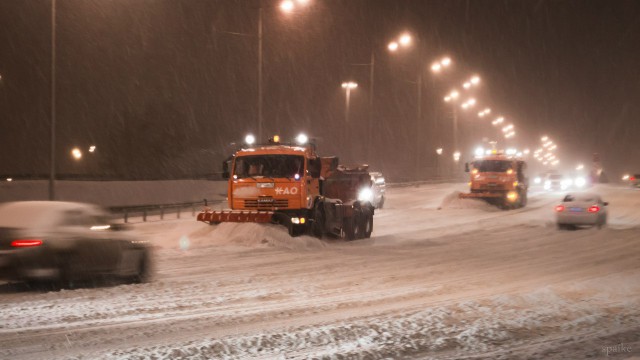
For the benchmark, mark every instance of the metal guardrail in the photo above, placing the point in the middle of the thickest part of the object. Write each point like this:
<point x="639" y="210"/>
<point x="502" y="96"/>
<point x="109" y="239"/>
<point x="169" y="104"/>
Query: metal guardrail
<point x="160" y="209"/>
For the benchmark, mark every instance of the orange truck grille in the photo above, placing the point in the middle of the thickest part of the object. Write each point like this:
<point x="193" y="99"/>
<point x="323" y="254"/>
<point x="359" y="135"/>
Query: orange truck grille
<point x="266" y="203"/>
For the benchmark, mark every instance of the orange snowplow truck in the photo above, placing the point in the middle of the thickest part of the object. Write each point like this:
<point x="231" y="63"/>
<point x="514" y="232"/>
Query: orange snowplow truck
<point x="289" y="184"/>
<point x="498" y="179"/>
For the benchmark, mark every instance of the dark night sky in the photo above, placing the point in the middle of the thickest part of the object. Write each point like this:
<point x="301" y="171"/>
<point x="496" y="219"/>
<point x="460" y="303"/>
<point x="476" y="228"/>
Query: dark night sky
<point x="163" y="87"/>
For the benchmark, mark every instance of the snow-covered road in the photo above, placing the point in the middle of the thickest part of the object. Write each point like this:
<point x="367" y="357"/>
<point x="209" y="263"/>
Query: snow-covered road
<point x="440" y="278"/>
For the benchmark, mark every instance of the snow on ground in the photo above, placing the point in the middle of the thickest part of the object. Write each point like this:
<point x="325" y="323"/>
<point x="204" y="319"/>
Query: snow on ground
<point x="441" y="278"/>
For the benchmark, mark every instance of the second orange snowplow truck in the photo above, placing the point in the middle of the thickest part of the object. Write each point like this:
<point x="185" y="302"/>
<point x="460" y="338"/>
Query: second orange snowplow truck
<point x="290" y="184"/>
<point x="498" y="179"/>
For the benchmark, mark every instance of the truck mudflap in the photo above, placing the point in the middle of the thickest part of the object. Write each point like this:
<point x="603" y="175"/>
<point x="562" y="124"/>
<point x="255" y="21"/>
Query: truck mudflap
<point x="481" y="195"/>
<point x="214" y="217"/>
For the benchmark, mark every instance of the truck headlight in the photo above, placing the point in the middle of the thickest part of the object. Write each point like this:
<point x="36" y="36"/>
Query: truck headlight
<point x="365" y="195"/>
<point x="512" y="196"/>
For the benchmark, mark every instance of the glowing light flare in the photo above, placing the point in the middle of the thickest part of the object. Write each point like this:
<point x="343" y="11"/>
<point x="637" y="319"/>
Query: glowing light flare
<point x="76" y="153"/>
<point x="249" y="139"/>
<point x="393" y="46"/>
<point x="287" y="6"/>
<point x="405" y="39"/>
<point x="439" y="151"/>
<point x="349" y="85"/>
<point x="302" y="139"/>
<point x="456" y="156"/>
<point x="498" y="121"/>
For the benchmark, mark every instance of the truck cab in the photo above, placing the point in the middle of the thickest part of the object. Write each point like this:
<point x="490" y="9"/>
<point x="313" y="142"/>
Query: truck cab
<point x="499" y="179"/>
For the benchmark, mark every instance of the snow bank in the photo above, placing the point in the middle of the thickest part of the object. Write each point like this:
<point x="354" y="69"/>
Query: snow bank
<point x="189" y="234"/>
<point x="453" y="201"/>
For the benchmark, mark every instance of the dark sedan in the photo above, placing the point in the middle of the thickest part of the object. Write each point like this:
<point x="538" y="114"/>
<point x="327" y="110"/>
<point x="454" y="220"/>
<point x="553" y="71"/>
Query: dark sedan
<point x="66" y="242"/>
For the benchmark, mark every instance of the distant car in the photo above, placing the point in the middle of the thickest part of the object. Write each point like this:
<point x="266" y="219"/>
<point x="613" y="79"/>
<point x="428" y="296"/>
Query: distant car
<point x="378" y="188"/>
<point x="634" y="180"/>
<point x="63" y="242"/>
<point x="579" y="209"/>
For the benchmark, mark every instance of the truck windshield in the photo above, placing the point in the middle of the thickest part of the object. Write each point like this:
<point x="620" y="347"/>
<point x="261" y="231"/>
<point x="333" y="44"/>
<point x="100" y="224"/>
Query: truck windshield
<point x="272" y="166"/>
<point x="492" y="165"/>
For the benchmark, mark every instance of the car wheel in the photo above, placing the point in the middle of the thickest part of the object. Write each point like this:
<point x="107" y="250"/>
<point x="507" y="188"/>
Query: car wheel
<point x="143" y="269"/>
<point x="381" y="202"/>
<point x="562" y="226"/>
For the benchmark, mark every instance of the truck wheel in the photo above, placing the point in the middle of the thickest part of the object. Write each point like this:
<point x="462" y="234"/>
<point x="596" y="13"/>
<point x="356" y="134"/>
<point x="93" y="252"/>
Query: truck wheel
<point x="353" y="225"/>
<point x="523" y="198"/>
<point x="367" y="222"/>
<point x="317" y="226"/>
<point x="295" y="230"/>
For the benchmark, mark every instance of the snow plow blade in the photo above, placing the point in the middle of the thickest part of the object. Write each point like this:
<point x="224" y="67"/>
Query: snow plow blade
<point x="213" y="217"/>
<point x="480" y="195"/>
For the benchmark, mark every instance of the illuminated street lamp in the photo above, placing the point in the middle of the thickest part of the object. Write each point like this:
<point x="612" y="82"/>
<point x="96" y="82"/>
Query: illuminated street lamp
<point x="437" y="66"/>
<point x="403" y="40"/>
<point x="439" y="151"/>
<point x="498" y="121"/>
<point x="76" y="153"/>
<point x="579" y="167"/>
<point x="469" y="103"/>
<point x="289" y="6"/>
<point x="347" y="86"/>
<point x="456" y="156"/>
<point x="475" y="80"/>
<point x="484" y="112"/>
<point x="453" y="95"/>
<point x="92" y="148"/>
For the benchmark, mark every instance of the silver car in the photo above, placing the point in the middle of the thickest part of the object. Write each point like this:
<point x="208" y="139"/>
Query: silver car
<point x="378" y="187"/>
<point x="579" y="209"/>
<point x="65" y="242"/>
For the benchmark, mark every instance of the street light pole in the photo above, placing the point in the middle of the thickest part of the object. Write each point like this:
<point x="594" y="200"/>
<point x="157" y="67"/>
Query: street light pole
<point x="370" y="124"/>
<point x="260" y="73"/>
<point x="419" y="122"/>
<point x="52" y="173"/>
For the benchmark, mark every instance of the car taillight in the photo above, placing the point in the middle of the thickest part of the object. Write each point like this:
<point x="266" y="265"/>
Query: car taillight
<point x="594" y="208"/>
<point x="632" y="178"/>
<point x="560" y="208"/>
<point x="26" y="243"/>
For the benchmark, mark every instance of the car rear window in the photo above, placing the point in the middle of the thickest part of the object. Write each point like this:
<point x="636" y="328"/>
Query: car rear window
<point x="591" y="198"/>
<point x="24" y="216"/>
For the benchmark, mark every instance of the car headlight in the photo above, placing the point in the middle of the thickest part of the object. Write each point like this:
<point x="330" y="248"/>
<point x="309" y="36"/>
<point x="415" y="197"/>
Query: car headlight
<point x="537" y="180"/>
<point x="547" y="184"/>
<point x="365" y="195"/>
<point x="580" y="182"/>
